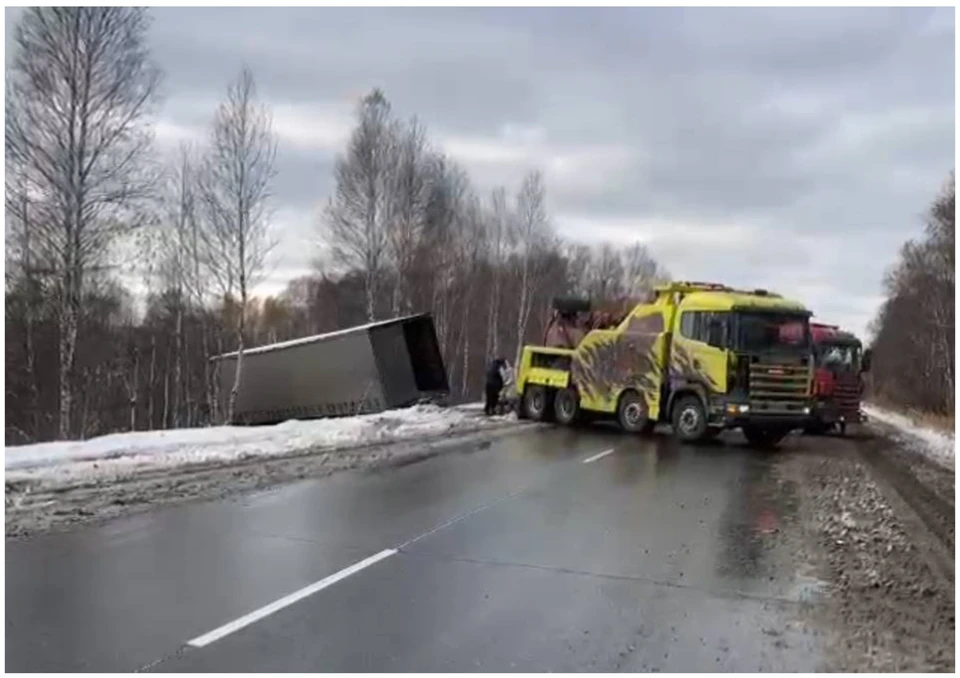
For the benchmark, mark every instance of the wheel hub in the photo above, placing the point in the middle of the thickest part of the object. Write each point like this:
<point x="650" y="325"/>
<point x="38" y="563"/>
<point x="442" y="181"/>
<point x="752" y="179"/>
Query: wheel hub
<point x="633" y="414"/>
<point x="689" y="419"/>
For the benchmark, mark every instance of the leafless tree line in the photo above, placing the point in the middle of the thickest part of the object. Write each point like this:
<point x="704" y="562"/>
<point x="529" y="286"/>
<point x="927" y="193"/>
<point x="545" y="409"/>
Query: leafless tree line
<point x="485" y="266"/>
<point x="87" y="198"/>
<point x="914" y="358"/>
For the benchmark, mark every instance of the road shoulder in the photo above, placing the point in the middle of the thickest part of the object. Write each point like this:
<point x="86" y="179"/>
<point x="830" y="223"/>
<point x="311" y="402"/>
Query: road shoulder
<point x="31" y="511"/>
<point x="889" y="607"/>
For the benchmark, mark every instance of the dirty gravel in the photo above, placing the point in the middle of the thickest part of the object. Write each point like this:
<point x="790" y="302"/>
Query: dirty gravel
<point x="31" y="509"/>
<point x="889" y="606"/>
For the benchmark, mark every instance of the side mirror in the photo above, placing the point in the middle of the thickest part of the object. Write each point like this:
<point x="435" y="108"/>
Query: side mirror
<point x="866" y="361"/>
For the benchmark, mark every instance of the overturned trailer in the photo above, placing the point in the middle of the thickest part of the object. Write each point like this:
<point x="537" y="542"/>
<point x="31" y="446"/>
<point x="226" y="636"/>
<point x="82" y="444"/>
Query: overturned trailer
<point x="364" y="369"/>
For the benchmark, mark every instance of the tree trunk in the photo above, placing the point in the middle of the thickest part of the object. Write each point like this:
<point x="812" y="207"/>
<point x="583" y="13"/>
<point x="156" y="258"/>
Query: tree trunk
<point x="68" y="344"/>
<point x="524" y="310"/>
<point x="133" y="390"/>
<point x="238" y="371"/>
<point x="465" y="334"/>
<point x="151" y="422"/>
<point x="371" y="294"/>
<point x="178" y="364"/>
<point x="166" y="398"/>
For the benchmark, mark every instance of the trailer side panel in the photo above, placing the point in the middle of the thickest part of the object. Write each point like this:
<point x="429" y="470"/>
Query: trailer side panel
<point x="337" y="376"/>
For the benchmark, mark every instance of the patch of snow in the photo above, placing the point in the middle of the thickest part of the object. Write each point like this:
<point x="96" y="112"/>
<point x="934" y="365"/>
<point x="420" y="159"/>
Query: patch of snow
<point x="126" y="454"/>
<point x="937" y="445"/>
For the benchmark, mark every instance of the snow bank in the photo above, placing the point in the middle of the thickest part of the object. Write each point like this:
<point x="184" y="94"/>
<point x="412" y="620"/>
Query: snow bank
<point x="125" y="454"/>
<point x="939" y="446"/>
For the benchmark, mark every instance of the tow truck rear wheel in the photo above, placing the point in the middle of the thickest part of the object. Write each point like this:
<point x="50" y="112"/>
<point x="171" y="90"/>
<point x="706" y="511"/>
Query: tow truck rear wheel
<point x="566" y="406"/>
<point x="536" y="402"/>
<point x="689" y="419"/>
<point x="764" y="437"/>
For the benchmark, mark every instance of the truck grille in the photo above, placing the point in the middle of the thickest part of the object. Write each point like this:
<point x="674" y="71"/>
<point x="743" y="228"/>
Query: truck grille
<point x="778" y="389"/>
<point x="846" y="394"/>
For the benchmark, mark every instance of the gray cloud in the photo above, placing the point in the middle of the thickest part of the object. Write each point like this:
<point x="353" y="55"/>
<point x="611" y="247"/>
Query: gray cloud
<point x="790" y="148"/>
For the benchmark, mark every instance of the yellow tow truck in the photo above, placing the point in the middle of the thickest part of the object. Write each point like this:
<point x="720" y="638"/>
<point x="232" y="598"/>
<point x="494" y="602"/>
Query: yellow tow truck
<point x="702" y="357"/>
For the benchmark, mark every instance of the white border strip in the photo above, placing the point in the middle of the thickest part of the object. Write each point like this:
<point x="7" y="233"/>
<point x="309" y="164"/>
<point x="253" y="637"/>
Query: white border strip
<point x="599" y="456"/>
<point x="256" y="615"/>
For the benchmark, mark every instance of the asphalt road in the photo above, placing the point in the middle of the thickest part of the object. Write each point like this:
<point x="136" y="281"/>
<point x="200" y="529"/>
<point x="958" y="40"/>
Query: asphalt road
<point x="552" y="550"/>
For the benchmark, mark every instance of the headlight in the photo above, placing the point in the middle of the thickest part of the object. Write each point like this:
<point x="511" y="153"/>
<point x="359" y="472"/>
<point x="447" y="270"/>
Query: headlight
<point x="744" y="408"/>
<point x="806" y="410"/>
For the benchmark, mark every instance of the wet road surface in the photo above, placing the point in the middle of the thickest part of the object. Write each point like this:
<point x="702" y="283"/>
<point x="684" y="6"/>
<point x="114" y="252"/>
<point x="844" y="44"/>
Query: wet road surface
<point x="544" y="551"/>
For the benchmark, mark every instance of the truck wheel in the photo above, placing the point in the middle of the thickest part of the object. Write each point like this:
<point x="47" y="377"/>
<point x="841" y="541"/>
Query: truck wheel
<point x="689" y="419"/>
<point x="535" y="402"/>
<point x="842" y="429"/>
<point x="764" y="437"/>
<point x="566" y="406"/>
<point x="631" y="413"/>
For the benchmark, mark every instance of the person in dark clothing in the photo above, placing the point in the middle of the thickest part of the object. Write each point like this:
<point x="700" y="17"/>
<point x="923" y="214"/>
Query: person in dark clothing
<point x="494" y="384"/>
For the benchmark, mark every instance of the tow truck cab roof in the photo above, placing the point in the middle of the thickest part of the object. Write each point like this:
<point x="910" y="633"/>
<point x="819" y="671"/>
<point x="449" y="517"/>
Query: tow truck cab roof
<point x="716" y="297"/>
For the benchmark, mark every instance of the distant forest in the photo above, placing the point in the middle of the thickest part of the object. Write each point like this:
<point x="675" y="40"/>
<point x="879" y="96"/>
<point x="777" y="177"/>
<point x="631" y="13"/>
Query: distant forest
<point x="914" y="350"/>
<point x="403" y="232"/>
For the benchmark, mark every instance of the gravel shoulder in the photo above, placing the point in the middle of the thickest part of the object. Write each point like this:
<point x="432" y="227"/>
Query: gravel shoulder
<point x="32" y="509"/>
<point x="878" y="525"/>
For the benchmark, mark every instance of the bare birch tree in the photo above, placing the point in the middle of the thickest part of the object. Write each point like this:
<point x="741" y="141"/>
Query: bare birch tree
<point x="178" y="259"/>
<point x="357" y="216"/>
<point x="238" y="171"/>
<point x="532" y="235"/>
<point x="82" y="82"/>
<point x="499" y="235"/>
<point x="409" y="191"/>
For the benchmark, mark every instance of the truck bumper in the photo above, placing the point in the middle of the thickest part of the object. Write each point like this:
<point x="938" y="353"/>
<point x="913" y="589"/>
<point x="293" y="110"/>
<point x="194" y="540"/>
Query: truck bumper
<point x="790" y="422"/>
<point x="728" y="415"/>
<point x="830" y="414"/>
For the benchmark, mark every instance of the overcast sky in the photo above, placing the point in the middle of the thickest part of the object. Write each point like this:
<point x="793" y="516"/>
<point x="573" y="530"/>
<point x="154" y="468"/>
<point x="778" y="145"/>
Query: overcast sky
<point x="794" y="149"/>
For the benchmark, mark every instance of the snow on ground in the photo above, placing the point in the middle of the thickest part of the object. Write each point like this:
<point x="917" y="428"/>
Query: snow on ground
<point x="126" y="454"/>
<point x="937" y="445"/>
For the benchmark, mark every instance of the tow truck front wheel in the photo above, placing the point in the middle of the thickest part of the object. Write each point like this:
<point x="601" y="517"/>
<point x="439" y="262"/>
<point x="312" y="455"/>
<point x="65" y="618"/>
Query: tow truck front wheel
<point x="632" y="414"/>
<point x="689" y="419"/>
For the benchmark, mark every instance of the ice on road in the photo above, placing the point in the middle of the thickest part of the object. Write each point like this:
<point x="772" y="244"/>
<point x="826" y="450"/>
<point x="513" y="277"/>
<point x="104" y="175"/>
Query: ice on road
<point x="937" y="445"/>
<point x="125" y="454"/>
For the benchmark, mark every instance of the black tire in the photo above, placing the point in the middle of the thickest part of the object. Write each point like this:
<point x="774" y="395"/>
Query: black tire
<point x="566" y="406"/>
<point x="842" y="429"/>
<point x="632" y="413"/>
<point x="764" y="437"/>
<point x="689" y="419"/>
<point x="535" y="402"/>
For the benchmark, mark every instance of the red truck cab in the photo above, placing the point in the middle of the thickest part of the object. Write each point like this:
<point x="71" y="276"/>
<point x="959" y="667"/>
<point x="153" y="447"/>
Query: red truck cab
<point x="838" y="380"/>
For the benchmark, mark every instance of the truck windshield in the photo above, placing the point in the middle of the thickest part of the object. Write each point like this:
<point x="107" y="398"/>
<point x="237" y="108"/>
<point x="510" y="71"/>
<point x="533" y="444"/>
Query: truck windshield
<point x="845" y="357"/>
<point x="761" y="332"/>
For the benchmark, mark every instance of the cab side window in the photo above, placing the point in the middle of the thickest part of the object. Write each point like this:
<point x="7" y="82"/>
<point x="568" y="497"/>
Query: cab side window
<point x="688" y="324"/>
<point x="705" y="326"/>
